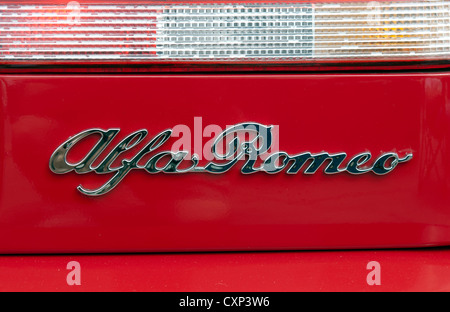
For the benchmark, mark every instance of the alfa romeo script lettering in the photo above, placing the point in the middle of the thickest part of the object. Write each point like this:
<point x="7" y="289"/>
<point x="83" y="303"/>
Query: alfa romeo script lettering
<point x="251" y="150"/>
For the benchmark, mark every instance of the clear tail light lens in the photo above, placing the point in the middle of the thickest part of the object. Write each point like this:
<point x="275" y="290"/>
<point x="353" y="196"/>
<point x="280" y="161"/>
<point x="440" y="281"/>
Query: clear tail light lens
<point x="226" y="32"/>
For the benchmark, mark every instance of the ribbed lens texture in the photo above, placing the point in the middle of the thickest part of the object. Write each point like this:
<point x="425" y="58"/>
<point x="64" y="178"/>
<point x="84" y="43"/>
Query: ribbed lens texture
<point x="226" y="32"/>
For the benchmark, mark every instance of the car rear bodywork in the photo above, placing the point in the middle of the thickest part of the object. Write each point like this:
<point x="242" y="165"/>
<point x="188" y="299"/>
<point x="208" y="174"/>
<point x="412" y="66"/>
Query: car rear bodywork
<point x="403" y="113"/>
<point x="197" y="146"/>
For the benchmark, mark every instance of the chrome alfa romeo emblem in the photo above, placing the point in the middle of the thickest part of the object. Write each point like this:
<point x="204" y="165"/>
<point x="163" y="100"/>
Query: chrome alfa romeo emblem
<point x="228" y="148"/>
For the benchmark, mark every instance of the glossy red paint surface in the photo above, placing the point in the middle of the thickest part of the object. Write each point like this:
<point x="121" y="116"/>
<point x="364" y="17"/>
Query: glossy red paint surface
<point x="407" y="270"/>
<point x="41" y="212"/>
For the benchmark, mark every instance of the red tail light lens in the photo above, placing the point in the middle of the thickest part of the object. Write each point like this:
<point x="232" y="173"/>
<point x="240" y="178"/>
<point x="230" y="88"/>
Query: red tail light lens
<point x="295" y="33"/>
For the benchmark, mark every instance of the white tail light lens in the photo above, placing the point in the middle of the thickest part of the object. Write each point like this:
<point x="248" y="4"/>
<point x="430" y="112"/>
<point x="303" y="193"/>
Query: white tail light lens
<point x="292" y="32"/>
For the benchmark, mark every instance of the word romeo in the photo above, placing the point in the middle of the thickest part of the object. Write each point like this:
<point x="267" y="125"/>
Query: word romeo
<point x="178" y="162"/>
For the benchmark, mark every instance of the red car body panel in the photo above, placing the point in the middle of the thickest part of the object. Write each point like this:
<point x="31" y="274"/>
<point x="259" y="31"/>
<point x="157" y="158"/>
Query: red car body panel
<point x="406" y="270"/>
<point x="42" y="212"/>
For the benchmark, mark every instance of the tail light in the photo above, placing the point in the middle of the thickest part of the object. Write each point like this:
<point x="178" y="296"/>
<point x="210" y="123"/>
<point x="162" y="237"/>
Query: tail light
<point x="228" y="33"/>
